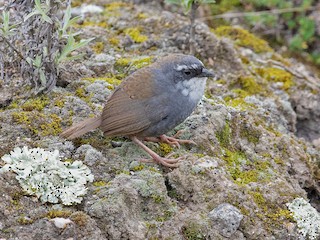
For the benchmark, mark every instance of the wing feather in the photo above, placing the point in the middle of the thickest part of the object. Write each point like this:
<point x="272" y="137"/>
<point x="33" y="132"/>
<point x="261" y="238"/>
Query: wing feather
<point x="125" y="111"/>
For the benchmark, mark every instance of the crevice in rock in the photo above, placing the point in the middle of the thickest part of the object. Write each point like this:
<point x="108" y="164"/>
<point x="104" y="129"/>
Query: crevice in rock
<point x="307" y="107"/>
<point x="314" y="197"/>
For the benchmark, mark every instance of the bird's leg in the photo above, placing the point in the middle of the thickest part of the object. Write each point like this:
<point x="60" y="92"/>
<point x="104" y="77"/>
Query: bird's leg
<point x="175" y="141"/>
<point x="170" y="140"/>
<point x="168" y="162"/>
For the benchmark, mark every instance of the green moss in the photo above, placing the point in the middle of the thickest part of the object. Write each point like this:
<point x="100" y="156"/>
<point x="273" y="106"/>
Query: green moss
<point x="270" y="213"/>
<point x="238" y="101"/>
<point x="111" y="80"/>
<point x="114" y="41"/>
<point x="102" y="24"/>
<point x="115" y="6"/>
<point x="165" y="149"/>
<point x="135" y="62"/>
<point x="38" y="104"/>
<point x="136" y="35"/>
<point x="126" y="172"/>
<point x="138" y="167"/>
<point x="221" y="81"/>
<point x="157" y="198"/>
<point x="58" y="213"/>
<point x="80" y="92"/>
<point x="278" y="161"/>
<point x="99" y="183"/>
<point x="98" y="47"/>
<point x="193" y="231"/>
<point x="251" y="134"/>
<point x="13" y="105"/>
<point x="276" y="75"/>
<point x="244" y="171"/>
<point x="243" y="38"/>
<point x="258" y="198"/>
<point x="59" y="103"/>
<point x="224" y="135"/>
<point x="280" y="215"/>
<point x="24" y="220"/>
<point x="39" y="123"/>
<point x="249" y="84"/>
<point x="142" y="16"/>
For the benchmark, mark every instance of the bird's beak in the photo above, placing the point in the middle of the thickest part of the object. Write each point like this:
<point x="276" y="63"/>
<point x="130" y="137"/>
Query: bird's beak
<point x="206" y="73"/>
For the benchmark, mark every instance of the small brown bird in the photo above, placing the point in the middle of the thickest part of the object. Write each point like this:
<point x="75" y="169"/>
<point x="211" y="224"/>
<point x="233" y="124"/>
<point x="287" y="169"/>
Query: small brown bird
<point x="150" y="102"/>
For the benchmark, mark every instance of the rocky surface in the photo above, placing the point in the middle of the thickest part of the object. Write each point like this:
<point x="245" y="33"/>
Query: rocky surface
<point x="249" y="161"/>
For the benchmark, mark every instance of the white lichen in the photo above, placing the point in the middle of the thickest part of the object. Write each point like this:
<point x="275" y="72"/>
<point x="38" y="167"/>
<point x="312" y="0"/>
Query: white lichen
<point x="307" y="218"/>
<point x="41" y="173"/>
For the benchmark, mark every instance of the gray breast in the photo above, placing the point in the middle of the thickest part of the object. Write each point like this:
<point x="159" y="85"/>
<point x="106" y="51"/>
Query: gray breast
<point x="175" y="106"/>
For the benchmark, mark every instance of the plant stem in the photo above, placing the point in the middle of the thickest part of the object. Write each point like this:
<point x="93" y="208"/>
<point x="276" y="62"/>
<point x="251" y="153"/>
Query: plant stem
<point x="12" y="47"/>
<point x="192" y="40"/>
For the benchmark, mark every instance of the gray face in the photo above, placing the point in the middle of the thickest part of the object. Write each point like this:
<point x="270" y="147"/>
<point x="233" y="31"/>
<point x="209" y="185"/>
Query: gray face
<point x="186" y="67"/>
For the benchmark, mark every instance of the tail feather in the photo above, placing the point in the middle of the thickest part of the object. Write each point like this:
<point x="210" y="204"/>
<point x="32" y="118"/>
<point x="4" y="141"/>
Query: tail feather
<point x="81" y="128"/>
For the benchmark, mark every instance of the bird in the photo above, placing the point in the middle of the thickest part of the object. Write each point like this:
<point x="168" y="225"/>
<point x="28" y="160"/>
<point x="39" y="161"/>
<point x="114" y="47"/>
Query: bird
<point x="150" y="102"/>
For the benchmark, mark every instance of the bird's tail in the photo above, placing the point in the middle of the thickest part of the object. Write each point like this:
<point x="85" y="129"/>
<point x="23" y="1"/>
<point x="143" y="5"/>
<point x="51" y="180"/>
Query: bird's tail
<point x="81" y="128"/>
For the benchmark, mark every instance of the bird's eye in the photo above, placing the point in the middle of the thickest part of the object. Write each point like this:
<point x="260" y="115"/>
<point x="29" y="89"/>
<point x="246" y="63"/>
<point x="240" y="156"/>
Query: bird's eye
<point x="187" y="72"/>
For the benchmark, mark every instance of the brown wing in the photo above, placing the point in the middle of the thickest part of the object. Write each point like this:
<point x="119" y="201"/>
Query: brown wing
<point x="124" y="113"/>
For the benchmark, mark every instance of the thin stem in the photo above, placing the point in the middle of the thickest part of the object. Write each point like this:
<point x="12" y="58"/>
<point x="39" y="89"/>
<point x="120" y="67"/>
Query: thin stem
<point x="13" y="48"/>
<point x="192" y="41"/>
<point x="247" y="14"/>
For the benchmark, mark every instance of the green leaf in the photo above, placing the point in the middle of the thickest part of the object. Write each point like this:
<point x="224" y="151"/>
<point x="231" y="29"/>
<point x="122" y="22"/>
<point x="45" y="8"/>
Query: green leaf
<point x="307" y="28"/>
<point x="43" y="78"/>
<point x="71" y="46"/>
<point x="297" y="43"/>
<point x="37" y="62"/>
<point x="41" y="11"/>
<point x="208" y="1"/>
<point x="178" y="2"/>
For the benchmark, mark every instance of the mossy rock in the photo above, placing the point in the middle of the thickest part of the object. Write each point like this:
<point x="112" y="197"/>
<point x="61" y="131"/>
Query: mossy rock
<point x="243" y="38"/>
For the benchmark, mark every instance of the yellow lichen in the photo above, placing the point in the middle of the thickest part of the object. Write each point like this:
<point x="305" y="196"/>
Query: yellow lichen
<point x="243" y="38"/>
<point x="111" y="80"/>
<point x="80" y="92"/>
<point x="136" y="35"/>
<point x="138" y="168"/>
<point x="38" y="103"/>
<point x="24" y="220"/>
<point x="165" y="148"/>
<point x="59" y="103"/>
<point x="99" y="183"/>
<point x="276" y="75"/>
<point x="135" y="62"/>
<point x="243" y="170"/>
<point x="114" y="41"/>
<point x="142" y="16"/>
<point x="224" y="135"/>
<point x="249" y="84"/>
<point x="102" y="24"/>
<point x="39" y="123"/>
<point x="98" y="47"/>
<point x="115" y="6"/>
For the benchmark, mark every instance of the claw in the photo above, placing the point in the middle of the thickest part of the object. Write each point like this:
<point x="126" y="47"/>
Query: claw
<point x="165" y="161"/>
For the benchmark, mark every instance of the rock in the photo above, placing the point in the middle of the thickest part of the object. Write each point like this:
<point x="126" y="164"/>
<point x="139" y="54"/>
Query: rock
<point x="226" y="218"/>
<point x="61" y="222"/>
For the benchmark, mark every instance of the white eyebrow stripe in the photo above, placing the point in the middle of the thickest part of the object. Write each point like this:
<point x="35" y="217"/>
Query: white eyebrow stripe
<point x="195" y="66"/>
<point x="181" y="67"/>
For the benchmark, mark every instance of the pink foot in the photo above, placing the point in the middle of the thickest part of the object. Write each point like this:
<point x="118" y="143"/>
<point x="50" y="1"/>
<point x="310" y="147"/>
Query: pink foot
<point x="169" y="140"/>
<point x="165" y="161"/>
